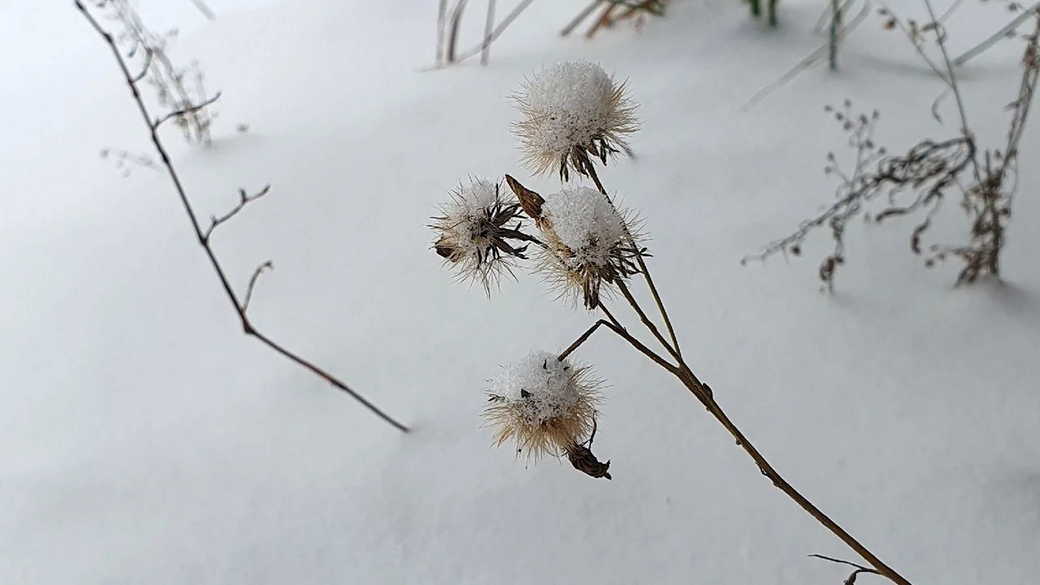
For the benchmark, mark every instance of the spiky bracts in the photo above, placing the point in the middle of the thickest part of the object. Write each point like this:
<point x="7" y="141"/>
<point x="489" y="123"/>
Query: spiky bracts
<point x="545" y="406"/>
<point x="572" y="111"/>
<point x="585" y="240"/>
<point x="474" y="233"/>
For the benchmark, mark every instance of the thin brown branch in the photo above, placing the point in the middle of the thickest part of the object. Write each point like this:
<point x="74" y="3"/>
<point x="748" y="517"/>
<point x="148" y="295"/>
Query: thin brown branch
<point x="183" y="111"/>
<point x="674" y="347"/>
<point x="580" y="18"/>
<point x="624" y="334"/>
<point x="252" y="283"/>
<point x="705" y="396"/>
<point x="703" y="393"/>
<point x="860" y="569"/>
<point x="244" y="199"/>
<point x="646" y="320"/>
<point x="602" y="21"/>
<point x="247" y="326"/>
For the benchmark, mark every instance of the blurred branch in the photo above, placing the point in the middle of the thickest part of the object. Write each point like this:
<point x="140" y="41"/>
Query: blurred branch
<point x="204" y="9"/>
<point x="1000" y="34"/>
<point x="203" y="236"/>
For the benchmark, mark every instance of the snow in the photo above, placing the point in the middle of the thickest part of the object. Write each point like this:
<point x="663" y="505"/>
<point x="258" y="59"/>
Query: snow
<point x="463" y="230"/>
<point x="570" y="104"/>
<point x="547" y="404"/>
<point x="144" y="439"/>
<point x="585" y="222"/>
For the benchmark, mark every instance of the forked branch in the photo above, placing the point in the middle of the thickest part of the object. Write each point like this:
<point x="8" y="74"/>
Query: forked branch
<point x="203" y="235"/>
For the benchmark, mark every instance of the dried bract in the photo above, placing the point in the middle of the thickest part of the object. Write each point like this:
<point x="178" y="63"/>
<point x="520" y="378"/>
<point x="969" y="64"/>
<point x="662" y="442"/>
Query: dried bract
<point x="546" y="406"/>
<point x="474" y="233"/>
<point x="586" y="244"/>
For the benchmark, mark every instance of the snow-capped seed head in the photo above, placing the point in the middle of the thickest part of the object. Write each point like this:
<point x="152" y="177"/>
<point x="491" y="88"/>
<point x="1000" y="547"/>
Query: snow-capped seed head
<point x="474" y="235"/>
<point x="545" y="405"/>
<point x="587" y="242"/>
<point x="571" y="111"/>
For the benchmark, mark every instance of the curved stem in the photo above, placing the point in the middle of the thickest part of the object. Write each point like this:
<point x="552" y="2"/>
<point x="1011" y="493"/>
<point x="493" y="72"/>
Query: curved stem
<point x="591" y="169"/>
<point x="203" y="237"/>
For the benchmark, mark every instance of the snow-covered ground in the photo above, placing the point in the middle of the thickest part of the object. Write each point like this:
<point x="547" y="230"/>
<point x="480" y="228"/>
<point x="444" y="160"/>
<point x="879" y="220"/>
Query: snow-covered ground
<point x="144" y="439"/>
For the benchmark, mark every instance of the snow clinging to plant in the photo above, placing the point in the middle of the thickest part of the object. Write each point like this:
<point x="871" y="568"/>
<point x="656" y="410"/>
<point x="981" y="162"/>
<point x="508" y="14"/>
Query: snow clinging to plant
<point x="545" y="404"/>
<point x="571" y="109"/>
<point x="585" y="222"/>
<point x="478" y="232"/>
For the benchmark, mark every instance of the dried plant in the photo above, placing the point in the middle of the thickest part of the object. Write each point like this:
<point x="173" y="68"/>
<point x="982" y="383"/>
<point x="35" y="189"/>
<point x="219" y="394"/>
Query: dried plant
<point x="177" y="88"/>
<point x="572" y="111"/>
<point x="474" y="233"/>
<point x="545" y="404"/>
<point x="613" y="12"/>
<point x="917" y="182"/>
<point x="125" y="161"/>
<point x="756" y="10"/>
<point x="449" y="22"/>
<point x="204" y="236"/>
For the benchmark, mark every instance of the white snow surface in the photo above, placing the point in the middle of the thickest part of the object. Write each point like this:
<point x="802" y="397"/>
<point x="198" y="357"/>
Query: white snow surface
<point x="585" y="222"/>
<point x="144" y="439"/>
<point x="539" y="381"/>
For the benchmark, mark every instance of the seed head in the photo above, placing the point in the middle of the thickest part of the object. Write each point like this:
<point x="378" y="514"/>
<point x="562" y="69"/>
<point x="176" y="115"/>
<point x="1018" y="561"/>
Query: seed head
<point x="474" y="235"/>
<point x="545" y="405"/>
<point x="571" y="111"/>
<point x="587" y="242"/>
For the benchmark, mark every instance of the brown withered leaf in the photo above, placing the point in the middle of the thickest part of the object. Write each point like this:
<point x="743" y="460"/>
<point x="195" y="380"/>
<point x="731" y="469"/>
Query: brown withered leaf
<point x="530" y="201"/>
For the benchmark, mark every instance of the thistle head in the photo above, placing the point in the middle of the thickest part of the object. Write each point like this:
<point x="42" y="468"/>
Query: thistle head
<point x="586" y="241"/>
<point x="479" y="233"/>
<point x="572" y="113"/>
<point x="546" y="406"/>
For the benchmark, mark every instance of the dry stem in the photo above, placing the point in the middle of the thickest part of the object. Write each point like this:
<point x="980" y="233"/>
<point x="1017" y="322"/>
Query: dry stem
<point x="703" y="393"/>
<point x="203" y="237"/>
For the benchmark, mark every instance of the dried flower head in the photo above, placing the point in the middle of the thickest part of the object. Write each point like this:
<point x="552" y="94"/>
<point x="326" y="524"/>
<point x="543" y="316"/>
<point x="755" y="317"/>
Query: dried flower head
<point x="474" y="234"/>
<point x="571" y="111"/>
<point x="587" y="242"/>
<point x="545" y="405"/>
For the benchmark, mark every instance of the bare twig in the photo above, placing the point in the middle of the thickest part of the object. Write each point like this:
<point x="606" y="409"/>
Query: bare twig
<point x="808" y="61"/>
<point x="951" y="79"/>
<point x="161" y="73"/>
<point x="442" y="11"/>
<point x="148" y="55"/>
<point x="860" y="569"/>
<point x="454" y="21"/>
<point x="997" y="36"/>
<point x="836" y="11"/>
<point x="201" y="236"/>
<point x="705" y="396"/>
<point x="580" y="18"/>
<point x="252" y="283"/>
<point x="244" y="199"/>
<point x="491" y="38"/>
<point x="183" y="111"/>
<point x="485" y="51"/>
<point x="204" y="9"/>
